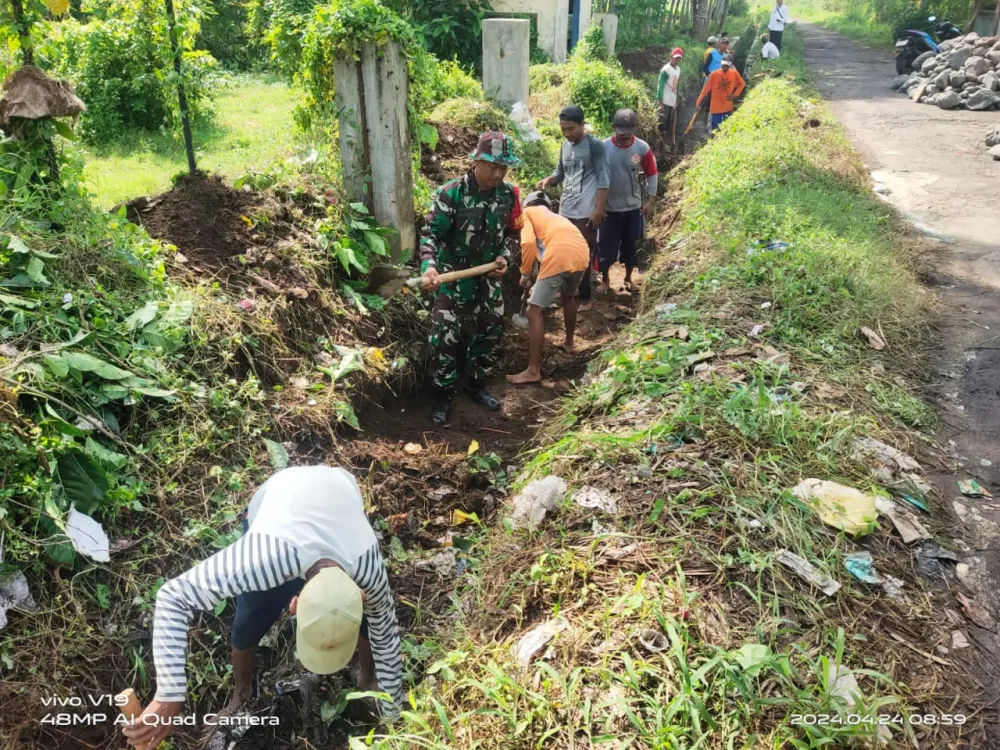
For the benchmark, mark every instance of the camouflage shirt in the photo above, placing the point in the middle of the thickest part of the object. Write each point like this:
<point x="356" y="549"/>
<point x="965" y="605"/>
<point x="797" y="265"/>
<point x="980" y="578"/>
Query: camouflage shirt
<point x="466" y="227"/>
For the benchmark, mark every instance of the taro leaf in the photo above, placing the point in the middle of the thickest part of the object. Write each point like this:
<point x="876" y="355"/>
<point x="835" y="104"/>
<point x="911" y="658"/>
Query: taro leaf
<point x="35" y="271"/>
<point x="58" y="365"/>
<point x="104" y="455"/>
<point x="61" y="551"/>
<point x="277" y="453"/>
<point x="83" y="481"/>
<point x="752" y="657"/>
<point x="177" y="314"/>
<point x="375" y="243"/>
<point x="143" y="316"/>
<point x="84" y="362"/>
<point x="345" y="413"/>
<point x="104" y="596"/>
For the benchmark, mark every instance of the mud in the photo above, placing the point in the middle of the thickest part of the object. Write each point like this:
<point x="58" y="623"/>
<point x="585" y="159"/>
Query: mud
<point x="450" y="158"/>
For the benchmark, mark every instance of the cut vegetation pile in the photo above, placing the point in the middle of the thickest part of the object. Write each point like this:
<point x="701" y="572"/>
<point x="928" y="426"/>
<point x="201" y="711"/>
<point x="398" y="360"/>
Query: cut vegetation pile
<point x="655" y="603"/>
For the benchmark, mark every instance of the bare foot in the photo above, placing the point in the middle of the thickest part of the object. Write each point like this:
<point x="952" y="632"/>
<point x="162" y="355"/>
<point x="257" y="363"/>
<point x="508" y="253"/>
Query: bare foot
<point x="568" y="346"/>
<point x="583" y="306"/>
<point x="632" y="287"/>
<point x="602" y="289"/>
<point x="235" y="704"/>
<point x="523" y="378"/>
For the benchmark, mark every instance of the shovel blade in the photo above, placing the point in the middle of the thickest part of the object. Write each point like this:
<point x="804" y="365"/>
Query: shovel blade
<point x="386" y="281"/>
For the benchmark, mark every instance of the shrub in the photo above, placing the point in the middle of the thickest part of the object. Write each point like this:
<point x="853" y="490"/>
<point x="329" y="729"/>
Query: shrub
<point x="280" y="25"/>
<point x="545" y="76"/>
<point x="472" y="114"/>
<point x="449" y="29"/>
<point x="592" y="46"/>
<point x="122" y="70"/>
<point x="437" y="81"/>
<point x="602" y="88"/>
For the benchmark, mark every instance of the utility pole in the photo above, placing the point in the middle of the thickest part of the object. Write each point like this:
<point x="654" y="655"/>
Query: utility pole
<point x="181" y="96"/>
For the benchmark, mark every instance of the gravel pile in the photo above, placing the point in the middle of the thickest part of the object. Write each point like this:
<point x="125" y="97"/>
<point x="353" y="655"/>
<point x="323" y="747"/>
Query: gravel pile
<point x="965" y="75"/>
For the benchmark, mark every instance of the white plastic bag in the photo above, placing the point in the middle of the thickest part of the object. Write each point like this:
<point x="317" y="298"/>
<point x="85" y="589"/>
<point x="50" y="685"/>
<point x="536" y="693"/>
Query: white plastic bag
<point x="522" y="121"/>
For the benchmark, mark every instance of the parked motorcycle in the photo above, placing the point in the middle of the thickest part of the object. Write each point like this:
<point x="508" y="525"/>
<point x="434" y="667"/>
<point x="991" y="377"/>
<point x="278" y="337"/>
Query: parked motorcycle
<point x="916" y="42"/>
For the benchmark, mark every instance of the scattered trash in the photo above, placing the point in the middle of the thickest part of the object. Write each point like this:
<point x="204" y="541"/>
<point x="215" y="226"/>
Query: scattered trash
<point x="757" y="329"/>
<point x="756" y="247"/>
<point x="473" y="447"/>
<point x="958" y="640"/>
<point x="894" y="588"/>
<point x="536" y="499"/>
<point x="861" y="566"/>
<point x="439" y="493"/>
<point x="121" y="544"/>
<point x="413" y="448"/>
<point x="842" y="683"/>
<point x="458" y="517"/>
<point x="653" y="641"/>
<point x="976" y="613"/>
<point x="599" y="529"/>
<point x="917" y="483"/>
<point x="888" y="461"/>
<point x="87" y="535"/>
<point x="985" y="463"/>
<point x="909" y="528"/>
<point x="972" y="488"/>
<point x="915" y="503"/>
<point x="246" y="304"/>
<point x="765" y="305"/>
<point x="665" y="309"/>
<point x="681" y="332"/>
<point x="521" y="118"/>
<point x="535" y="639"/>
<point x="837" y="505"/>
<point x="14" y="594"/>
<point x="594" y="497"/>
<point x="929" y="556"/>
<point x="444" y="563"/>
<point x="874" y="340"/>
<point x="806" y="571"/>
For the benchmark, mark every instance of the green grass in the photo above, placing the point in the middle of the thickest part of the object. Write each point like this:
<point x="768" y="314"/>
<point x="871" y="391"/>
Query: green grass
<point x="855" y="22"/>
<point x="253" y="126"/>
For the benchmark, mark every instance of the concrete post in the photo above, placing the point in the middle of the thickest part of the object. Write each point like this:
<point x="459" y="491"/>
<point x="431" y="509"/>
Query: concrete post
<point x="385" y="81"/>
<point x="584" y="13"/>
<point x="351" y="117"/>
<point x="561" y="33"/>
<point x="609" y="24"/>
<point x="506" y="54"/>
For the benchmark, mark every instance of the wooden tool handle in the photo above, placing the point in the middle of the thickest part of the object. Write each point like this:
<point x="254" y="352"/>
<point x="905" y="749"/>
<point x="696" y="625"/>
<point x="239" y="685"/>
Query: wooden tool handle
<point x="465" y="273"/>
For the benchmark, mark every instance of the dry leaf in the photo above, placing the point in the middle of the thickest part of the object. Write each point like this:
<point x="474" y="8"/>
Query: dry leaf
<point x="874" y="340"/>
<point x="473" y="447"/>
<point x="458" y="517"/>
<point x="397" y="522"/>
<point x="825" y="390"/>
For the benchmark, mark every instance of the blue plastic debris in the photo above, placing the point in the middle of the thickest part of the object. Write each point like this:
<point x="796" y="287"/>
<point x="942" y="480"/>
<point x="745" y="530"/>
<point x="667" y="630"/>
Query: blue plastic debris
<point x="861" y="566"/>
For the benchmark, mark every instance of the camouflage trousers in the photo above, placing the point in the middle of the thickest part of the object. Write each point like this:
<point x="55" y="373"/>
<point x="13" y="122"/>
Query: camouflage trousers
<point x="474" y="327"/>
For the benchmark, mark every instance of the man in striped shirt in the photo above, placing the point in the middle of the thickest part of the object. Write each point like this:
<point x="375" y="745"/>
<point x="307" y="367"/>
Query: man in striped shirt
<point x="307" y="546"/>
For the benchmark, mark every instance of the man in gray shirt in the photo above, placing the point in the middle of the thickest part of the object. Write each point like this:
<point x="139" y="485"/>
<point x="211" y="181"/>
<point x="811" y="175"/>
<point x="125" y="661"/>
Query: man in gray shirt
<point x="583" y="173"/>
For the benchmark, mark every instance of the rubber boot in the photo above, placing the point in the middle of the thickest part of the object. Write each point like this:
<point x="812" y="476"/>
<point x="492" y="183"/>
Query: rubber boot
<point x="476" y="391"/>
<point x="442" y="405"/>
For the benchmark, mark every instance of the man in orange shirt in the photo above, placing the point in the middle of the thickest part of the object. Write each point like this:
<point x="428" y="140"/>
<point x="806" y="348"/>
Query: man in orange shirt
<point x="563" y="256"/>
<point x="724" y="85"/>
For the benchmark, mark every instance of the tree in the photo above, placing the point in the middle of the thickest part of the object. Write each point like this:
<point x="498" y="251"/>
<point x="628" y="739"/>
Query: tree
<point x="17" y="19"/>
<point x="699" y="28"/>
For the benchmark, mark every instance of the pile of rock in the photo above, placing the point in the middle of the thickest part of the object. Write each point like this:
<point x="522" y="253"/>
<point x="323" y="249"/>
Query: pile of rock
<point x="993" y="142"/>
<point x="966" y="74"/>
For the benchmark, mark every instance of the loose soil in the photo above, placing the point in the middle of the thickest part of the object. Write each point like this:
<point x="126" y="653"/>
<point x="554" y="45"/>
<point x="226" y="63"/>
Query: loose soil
<point x="450" y="158"/>
<point x="932" y="166"/>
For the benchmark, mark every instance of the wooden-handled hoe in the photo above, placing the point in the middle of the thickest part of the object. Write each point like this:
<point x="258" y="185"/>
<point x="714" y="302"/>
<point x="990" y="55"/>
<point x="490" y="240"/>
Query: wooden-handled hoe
<point x="386" y="281"/>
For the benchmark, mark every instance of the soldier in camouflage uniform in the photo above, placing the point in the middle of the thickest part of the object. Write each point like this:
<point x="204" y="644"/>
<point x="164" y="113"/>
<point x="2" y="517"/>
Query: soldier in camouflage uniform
<point x="474" y="219"/>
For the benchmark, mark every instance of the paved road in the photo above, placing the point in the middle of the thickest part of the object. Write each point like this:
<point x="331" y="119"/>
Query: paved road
<point x="933" y="161"/>
<point x="933" y="166"/>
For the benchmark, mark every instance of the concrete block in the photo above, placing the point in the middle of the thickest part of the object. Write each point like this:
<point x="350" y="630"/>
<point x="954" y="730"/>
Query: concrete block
<point x="385" y="82"/>
<point x="609" y="24"/>
<point x="506" y="54"/>
<point x="351" y="117"/>
<point x="551" y="19"/>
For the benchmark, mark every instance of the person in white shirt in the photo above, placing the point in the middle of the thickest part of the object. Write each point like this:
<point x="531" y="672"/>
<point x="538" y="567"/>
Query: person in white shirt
<point x="768" y="51"/>
<point x="666" y="89"/>
<point x="308" y="546"/>
<point x="779" y="17"/>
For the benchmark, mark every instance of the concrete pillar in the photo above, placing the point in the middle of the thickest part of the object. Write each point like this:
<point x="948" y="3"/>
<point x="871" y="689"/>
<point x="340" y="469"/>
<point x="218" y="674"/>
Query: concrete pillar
<point x="584" y="13"/>
<point x="609" y="23"/>
<point x="506" y="54"/>
<point x="351" y="116"/>
<point x="385" y="82"/>
<point x="560" y="32"/>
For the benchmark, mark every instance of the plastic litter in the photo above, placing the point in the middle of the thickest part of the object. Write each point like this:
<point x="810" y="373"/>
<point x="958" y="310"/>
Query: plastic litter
<point x="894" y="588"/>
<point x="413" y="448"/>
<point x="807" y="572"/>
<point x="88" y="536"/>
<point x="14" y="594"/>
<point x="958" y="640"/>
<point x="883" y="457"/>
<point x="929" y="556"/>
<point x="594" y="497"/>
<point x="909" y="528"/>
<point x="653" y="641"/>
<point x="972" y="488"/>
<point x="536" y="500"/>
<point x="444" y="563"/>
<point x="535" y="639"/>
<point x="757" y="247"/>
<point x="874" y="340"/>
<point x="861" y="566"/>
<point x="838" y="506"/>
<point x="521" y="117"/>
<point x="915" y="502"/>
<point x="665" y="309"/>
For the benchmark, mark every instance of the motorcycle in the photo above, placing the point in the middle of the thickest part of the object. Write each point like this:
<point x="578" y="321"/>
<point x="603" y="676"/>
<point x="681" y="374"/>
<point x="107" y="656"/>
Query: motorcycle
<point x="916" y="42"/>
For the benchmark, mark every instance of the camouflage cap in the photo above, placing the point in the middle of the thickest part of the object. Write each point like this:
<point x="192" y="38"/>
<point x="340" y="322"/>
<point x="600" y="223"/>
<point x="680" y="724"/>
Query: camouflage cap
<point x="496" y="147"/>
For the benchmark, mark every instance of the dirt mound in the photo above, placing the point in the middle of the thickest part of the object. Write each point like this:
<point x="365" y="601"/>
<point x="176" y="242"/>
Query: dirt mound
<point x="201" y="215"/>
<point x="648" y="60"/>
<point x="451" y="157"/>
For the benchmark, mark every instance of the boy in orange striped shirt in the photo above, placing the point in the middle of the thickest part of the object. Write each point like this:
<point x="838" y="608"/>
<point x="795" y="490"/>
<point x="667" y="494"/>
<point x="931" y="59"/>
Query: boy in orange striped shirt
<point x="562" y="254"/>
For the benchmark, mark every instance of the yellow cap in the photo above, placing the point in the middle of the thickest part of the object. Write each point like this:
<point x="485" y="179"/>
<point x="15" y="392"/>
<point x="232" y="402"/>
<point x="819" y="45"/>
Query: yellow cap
<point x="328" y="620"/>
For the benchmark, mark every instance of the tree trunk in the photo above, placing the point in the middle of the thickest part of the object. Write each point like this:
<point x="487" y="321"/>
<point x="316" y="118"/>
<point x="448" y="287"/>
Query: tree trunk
<point x="181" y="96"/>
<point x="671" y="18"/>
<point x="27" y="53"/>
<point x="699" y="19"/>
<point x="722" y="15"/>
